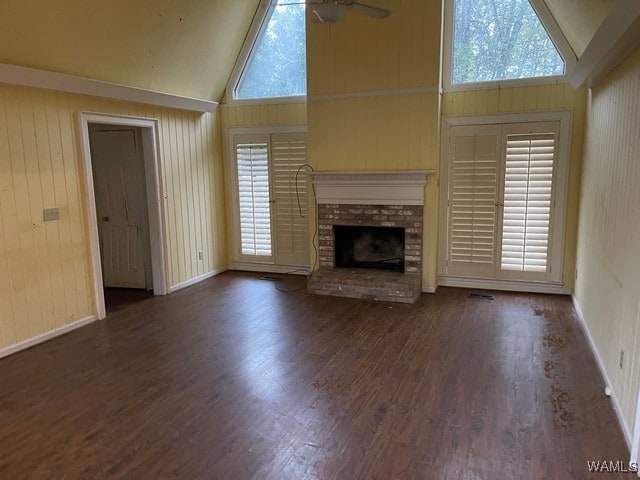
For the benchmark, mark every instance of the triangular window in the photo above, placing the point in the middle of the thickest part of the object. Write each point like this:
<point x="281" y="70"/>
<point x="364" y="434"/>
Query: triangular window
<point x="276" y="64"/>
<point x="496" y="40"/>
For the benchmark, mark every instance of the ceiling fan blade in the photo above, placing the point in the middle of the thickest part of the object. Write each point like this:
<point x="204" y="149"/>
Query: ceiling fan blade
<point x="329" y="12"/>
<point x="369" y="10"/>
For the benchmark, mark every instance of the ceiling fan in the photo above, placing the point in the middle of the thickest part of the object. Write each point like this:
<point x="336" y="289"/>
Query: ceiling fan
<point x="330" y="11"/>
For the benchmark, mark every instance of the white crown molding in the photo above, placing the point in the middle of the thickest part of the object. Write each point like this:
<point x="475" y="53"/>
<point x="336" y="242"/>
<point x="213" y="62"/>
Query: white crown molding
<point x="371" y="188"/>
<point x="372" y="93"/>
<point x="31" y="77"/>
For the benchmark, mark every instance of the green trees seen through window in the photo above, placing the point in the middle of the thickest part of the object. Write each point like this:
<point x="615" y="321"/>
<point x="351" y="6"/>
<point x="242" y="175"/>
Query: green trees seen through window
<point x="499" y="40"/>
<point x="277" y="64"/>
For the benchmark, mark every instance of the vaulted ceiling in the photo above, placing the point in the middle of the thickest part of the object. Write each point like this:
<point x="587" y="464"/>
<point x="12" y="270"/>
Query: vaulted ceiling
<point x="579" y="19"/>
<point x="185" y="47"/>
<point x="189" y="47"/>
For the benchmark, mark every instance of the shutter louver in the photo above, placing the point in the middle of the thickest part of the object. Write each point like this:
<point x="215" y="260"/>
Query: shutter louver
<point x="253" y="193"/>
<point x="472" y="197"/>
<point x="288" y="153"/>
<point x="527" y="202"/>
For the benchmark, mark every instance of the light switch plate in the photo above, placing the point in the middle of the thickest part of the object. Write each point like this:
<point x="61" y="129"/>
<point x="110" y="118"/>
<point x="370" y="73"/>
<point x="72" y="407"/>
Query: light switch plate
<point x="51" y="214"/>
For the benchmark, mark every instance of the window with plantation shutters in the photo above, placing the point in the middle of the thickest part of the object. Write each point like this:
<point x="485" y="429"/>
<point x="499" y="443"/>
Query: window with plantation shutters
<point x="288" y="153"/>
<point x="504" y="219"/>
<point x="270" y="212"/>
<point x="253" y="198"/>
<point x="528" y="181"/>
<point x="473" y="174"/>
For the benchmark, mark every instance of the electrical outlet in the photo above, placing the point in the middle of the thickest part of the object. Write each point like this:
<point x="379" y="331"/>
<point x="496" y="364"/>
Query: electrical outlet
<point x="51" y="214"/>
<point x="621" y="358"/>
<point x="200" y="256"/>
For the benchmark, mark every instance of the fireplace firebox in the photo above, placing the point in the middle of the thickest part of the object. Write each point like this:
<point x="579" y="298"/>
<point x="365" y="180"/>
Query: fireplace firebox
<point x="369" y="247"/>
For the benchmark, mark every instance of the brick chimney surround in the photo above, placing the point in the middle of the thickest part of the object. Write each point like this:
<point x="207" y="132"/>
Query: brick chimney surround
<point x="371" y="199"/>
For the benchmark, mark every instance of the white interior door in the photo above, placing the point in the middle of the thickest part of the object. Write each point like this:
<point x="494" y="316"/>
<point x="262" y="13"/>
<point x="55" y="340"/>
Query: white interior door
<point x="118" y="172"/>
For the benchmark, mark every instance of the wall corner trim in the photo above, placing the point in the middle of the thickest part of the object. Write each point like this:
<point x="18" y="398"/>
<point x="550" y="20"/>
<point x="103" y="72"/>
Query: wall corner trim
<point x="592" y="345"/>
<point x="43" y="337"/>
<point x="31" y="77"/>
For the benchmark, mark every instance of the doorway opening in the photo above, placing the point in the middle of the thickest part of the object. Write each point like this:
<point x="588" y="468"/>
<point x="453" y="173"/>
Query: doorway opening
<point x="124" y="205"/>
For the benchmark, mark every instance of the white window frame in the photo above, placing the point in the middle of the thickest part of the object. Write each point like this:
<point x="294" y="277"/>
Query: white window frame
<point x="549" y="24"/>
<point x="258" y="25"/>
<point x="557" y="223"/>
<point x="238" y="261"/>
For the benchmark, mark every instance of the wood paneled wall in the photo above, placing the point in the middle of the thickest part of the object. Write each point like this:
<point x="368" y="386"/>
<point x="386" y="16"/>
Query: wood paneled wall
<point x="373" y="98"/>
<point x="531" y="98"/>
<point x="45" y="269"/>
<point x="608" y="263"/>
<point x="538" y="98"/>
<point x="265" y="114"/>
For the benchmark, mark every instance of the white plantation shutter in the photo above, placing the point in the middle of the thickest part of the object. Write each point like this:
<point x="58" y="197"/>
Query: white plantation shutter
<point x="288" y="153"/>
<point x="528" y="181"/>
<point x="473" y="171"/>
<point x="270" y="215"/>
<point x="253" y="199"/>
<point x="504" y="203"/>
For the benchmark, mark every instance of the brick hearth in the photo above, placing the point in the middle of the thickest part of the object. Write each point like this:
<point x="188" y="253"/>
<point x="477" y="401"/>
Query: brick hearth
<point x="366" y="283"/>
<point x="369" y="283"/>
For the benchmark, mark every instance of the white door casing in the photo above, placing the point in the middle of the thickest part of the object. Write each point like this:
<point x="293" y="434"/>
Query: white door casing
<point x="155" y="201"/>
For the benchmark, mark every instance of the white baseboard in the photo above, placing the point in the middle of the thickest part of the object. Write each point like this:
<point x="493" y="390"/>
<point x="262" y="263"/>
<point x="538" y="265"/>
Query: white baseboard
<point x="43" y="337"/>
<point x="267" y="268"/>
<point x="195" y="280"/>
<point x="429" y="289"/>
<point x="510" y="285"/>
<point x="614" y="399"/>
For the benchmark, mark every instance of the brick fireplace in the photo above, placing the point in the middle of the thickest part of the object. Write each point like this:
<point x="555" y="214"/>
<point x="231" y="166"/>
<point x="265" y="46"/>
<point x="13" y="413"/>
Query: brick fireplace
<point x="385" y="202"/>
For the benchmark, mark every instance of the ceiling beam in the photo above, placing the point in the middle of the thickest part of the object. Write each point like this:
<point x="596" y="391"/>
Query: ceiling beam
<point x="31" y="77"/>
<point x="617" y="36"/>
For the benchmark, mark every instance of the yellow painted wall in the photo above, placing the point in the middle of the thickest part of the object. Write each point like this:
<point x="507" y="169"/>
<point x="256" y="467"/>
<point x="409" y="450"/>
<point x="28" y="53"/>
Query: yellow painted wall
<point x="187" y="47"/>
<point x="536" y="99"/>
<point x="263" y="114"/>
<point x="373" y="98"/>
<point x="45" y="269"/>
<point x="608" y="259"/>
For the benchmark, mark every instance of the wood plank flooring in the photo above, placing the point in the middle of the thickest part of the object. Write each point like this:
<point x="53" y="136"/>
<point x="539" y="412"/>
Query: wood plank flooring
<point x="233" y="379"/>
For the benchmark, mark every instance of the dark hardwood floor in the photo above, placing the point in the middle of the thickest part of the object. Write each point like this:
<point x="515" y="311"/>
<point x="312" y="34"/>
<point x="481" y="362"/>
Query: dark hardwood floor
<point x="116" y="299"/>
<point x="233" y="379"/>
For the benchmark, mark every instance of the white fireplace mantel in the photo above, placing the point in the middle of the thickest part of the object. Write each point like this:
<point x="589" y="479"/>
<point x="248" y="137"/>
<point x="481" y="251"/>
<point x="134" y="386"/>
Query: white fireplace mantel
<point x="371" y="188"/>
